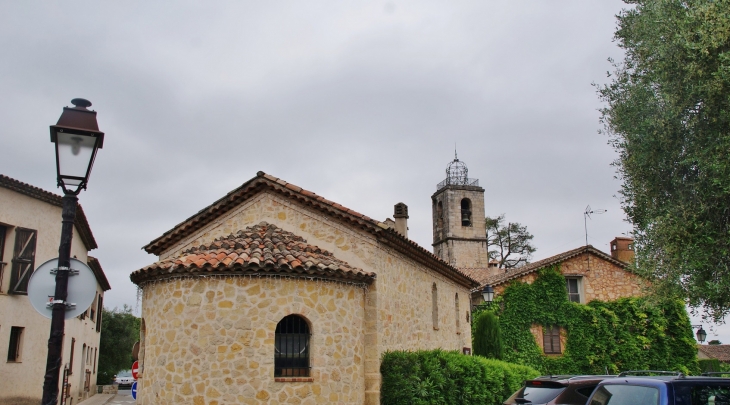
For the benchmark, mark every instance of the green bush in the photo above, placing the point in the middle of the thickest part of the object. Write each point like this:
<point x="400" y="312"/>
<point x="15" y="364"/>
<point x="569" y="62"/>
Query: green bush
<point x="441" y="377"/>
<point x="487" y="336"/>
<point x="710" y="365"/>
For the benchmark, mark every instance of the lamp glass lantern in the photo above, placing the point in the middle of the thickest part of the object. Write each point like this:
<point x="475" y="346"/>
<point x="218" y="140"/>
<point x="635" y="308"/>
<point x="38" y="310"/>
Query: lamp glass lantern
<point x="488" y="294"/>
<point x="701" y="335"/>
<point x="77" y="139"/>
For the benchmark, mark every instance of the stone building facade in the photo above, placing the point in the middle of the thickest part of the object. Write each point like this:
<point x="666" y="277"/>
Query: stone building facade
<point x="30" y="231"/>
<point x="228" y="278"/>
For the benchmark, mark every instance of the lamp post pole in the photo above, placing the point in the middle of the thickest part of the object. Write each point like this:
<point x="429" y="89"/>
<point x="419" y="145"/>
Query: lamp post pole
<point x="77" y="139"/>
<point x="55" y="341"/>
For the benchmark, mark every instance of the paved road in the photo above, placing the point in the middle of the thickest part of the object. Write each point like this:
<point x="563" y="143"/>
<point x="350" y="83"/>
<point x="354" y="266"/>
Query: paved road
<point x="123" y="397"/>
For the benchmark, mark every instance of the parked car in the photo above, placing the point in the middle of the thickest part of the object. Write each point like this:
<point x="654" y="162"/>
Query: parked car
<point x="662" y="388"/>
<point x="557" y="389"/>
<point x="124" y="378"/>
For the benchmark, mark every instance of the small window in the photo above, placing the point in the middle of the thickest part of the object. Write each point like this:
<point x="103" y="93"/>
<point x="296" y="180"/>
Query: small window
<point x="573" y="286"/>
<point x="551" y="340"/>
<point x="435" y="306"/>
<point x="458" y="321"/>
<point x="99" y="308"/>
<point x="16" y="343"/>
<point x="631" y="246"/>
<point x="613" y="246"/>
<point x="71" y="357"/>
<point x="23" y="260"/>
<point x="291" y="345"/>
<point x="465" y="212"/>
<point x="92" y="308"/>
<point x="3" y="232"/>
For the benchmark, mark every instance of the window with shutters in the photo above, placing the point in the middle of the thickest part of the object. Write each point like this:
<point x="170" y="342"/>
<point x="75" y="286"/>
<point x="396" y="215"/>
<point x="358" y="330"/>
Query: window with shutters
<point x="3" y="233"/>
<point x="291" y="347"/>
<point x="16" y="344"/>
<point x="23" y="260"/>
<point x="551" y="340"/>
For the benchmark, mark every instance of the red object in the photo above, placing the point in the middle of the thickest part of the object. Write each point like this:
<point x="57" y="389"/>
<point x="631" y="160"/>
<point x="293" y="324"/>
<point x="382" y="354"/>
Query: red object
<point x="135" y="369"/>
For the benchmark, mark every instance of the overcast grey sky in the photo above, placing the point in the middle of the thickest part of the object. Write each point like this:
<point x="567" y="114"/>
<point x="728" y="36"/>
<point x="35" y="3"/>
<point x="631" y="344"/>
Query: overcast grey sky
<point x="360" y="102"/>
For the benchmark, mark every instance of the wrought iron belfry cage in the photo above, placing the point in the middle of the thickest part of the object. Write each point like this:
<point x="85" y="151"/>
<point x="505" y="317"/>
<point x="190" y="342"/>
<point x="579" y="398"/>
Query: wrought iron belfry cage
<point x="291" y="358"/>
<point x="457" y="174"/>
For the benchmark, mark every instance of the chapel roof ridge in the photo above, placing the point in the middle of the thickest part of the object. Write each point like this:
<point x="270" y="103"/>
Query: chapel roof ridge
<point x="264" y="181"/>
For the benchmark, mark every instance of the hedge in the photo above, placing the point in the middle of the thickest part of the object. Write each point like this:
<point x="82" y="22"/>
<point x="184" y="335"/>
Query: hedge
<point x="444" y="377"/>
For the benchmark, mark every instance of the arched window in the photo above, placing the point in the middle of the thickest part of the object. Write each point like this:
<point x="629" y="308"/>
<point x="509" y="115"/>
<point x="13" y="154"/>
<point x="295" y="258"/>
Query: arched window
<point x="435" y="306"/>
<point x="465" y="212"/>
<point x="456" y="307"/>
<point x="291" y="345"/>
<point x="440" y="216"/>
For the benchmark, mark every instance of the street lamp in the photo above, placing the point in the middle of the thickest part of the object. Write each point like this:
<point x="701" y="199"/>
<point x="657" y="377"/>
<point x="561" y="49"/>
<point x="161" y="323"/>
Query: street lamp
<point x="701" y="334"/>
<point x="488" y="294"/>
<point x="77" y="138"/>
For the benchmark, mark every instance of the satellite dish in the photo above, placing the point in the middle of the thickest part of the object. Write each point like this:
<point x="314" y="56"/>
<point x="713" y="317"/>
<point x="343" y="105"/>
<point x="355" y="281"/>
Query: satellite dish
<point x="81" y="288"/>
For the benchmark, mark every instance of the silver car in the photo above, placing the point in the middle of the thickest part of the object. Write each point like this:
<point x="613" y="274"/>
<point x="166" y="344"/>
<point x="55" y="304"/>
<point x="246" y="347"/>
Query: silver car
<point x="124" y="378"/>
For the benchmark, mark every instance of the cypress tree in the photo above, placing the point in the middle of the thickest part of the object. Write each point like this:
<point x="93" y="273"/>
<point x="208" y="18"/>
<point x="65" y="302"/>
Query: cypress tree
<point x="487" y="339"/>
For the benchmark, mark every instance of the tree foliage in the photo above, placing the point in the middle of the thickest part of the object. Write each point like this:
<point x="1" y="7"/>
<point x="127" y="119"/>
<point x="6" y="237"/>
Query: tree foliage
<point x="487" y="339"/>
<point x="510" y="245"/>
<point x="668" y="117"/>
<point x="119" y="332"/>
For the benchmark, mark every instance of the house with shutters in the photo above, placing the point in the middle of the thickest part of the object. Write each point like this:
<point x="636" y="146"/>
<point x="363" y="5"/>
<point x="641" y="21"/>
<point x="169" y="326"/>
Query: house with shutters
<point x="274" y="294"/>
<point x="30" y="231"/>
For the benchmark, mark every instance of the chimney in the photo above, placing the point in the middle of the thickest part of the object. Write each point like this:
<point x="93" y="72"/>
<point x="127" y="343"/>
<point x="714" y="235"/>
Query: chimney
<point x="401" y="219"/>
<point x="622" y="249"/>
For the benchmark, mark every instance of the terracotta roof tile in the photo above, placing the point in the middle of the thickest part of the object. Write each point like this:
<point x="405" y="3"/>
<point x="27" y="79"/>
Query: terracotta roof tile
<point x="720" y="352"/>
<point x="512" y="274"/>
<point x="266" y="181"/>
<point x="260" y="248"/>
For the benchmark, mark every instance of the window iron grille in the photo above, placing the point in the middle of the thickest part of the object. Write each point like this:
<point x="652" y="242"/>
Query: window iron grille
<point x="291" y="345"/>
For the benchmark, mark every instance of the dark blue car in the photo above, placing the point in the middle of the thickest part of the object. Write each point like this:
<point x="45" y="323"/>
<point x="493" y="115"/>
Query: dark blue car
<point x="666" y="389"/>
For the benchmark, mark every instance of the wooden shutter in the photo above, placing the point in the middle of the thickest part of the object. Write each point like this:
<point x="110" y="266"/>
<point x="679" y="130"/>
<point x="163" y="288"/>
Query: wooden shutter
<point x="23" y="260"/>
<point x="98" y="312"/>
<point x="551" y="339"/>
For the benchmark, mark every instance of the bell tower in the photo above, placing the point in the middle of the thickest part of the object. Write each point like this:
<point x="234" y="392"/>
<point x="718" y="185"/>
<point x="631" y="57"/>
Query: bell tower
<point x="459" y="231"/>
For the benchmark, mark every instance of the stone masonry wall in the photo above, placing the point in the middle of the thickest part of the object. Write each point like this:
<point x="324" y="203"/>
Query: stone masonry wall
<point x="211" y="341"/>
<point x="600" y="279"/>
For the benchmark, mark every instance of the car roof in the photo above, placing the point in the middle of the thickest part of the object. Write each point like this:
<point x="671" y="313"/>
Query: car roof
<point x="570" y="378"/>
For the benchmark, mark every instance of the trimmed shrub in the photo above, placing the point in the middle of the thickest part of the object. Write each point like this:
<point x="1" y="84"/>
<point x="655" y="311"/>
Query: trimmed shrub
<point x="487" y="336"/>
<point x="441" y="377"/>
<point x="710" y="366"/>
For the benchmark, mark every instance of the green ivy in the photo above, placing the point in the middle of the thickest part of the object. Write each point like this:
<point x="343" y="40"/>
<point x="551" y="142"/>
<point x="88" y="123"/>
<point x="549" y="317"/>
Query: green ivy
<point x="626" y="334"/>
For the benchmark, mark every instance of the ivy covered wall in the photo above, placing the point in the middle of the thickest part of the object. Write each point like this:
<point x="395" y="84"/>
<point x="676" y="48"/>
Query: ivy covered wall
<point x="627" y="334"/>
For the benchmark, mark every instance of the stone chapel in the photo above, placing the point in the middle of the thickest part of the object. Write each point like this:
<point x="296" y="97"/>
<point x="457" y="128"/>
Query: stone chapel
<point x="274" y="294"/>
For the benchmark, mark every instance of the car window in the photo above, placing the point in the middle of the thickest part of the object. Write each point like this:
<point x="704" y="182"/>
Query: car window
<point x="541" y="395"/>
<point x="586" y="391"/>
<point x="703" y="394"/>
<point x="625" y="395"/>
<point x="124" y="374"/>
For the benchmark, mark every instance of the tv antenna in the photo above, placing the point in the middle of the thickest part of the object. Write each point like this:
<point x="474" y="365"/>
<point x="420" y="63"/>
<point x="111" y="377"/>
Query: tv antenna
<point x="587" y="214"/>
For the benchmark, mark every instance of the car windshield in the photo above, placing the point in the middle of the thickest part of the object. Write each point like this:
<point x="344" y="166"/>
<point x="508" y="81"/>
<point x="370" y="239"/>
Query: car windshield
<point x="124" y="374"/>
